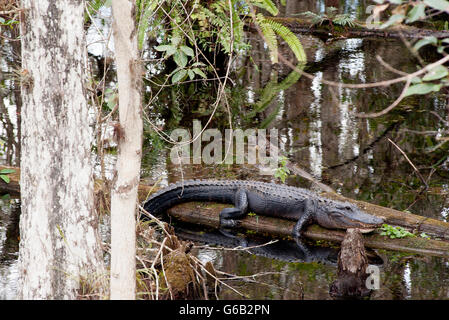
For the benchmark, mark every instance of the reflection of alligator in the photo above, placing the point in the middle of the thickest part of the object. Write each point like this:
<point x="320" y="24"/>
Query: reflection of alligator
<point x="266" y="199"/>
<point x="282" y="250"/>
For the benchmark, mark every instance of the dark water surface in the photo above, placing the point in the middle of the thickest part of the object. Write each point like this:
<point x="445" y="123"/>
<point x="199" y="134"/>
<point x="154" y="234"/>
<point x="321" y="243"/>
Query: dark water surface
<point x="319" y="132"/>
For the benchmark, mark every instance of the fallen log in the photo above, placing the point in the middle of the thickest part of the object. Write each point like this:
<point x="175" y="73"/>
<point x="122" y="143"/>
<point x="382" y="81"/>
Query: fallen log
<point x="207" y="214"/>
<point x="359" y="30"/>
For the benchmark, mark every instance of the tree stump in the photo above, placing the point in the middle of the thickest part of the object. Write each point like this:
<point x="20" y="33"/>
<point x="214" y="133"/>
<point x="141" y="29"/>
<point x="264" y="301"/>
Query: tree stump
<point x="352" y="264"/>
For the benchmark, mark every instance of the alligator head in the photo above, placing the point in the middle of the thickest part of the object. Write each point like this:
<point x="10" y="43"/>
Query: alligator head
<point x="344" y="215"/>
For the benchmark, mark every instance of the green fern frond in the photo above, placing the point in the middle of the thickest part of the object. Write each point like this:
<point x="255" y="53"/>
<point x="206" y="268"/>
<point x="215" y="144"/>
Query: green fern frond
<point x="269" y="119"/>
<point x="271" y="41"/>
<point x="314" y="18"/>
<point x="331" y="11"/>
<point x="289" y="37"/>
<point x="266" y="5"/>
<point x="344" y="20"/>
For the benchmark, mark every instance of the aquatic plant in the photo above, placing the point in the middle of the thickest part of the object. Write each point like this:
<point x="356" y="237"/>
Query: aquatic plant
<point x="282" y="172"/>
<point x="395" y="232"/>
<point x="331" y="17"/>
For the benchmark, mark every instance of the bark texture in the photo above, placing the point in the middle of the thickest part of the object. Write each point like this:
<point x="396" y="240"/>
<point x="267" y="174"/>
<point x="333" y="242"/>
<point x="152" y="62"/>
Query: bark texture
<point x="352" y="264"/>
<point x="60" y="244"/>
<point x="124" y="192"/>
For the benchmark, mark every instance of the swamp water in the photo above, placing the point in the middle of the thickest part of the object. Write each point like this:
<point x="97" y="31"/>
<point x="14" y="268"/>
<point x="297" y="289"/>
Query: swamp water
<point x="319" y="133"/>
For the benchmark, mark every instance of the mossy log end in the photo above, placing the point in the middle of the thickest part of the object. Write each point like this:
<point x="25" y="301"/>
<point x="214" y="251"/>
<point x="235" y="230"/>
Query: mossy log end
<point x="207" y="214"/>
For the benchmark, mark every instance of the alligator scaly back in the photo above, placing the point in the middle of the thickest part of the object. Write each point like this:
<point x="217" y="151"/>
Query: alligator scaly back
<point x="222" y="191"/>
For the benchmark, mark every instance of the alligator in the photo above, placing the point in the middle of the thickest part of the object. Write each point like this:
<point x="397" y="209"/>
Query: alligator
<point x="265" y="199"/>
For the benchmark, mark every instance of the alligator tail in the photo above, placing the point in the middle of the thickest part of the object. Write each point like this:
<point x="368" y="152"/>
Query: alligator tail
<point x="191" y="190"/>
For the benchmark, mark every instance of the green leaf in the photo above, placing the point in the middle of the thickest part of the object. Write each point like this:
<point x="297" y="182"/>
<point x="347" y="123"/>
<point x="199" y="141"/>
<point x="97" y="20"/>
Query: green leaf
<point x="164" y="47"/>
<point x="176" y="39"/>
<point x="436" y="73"/>
<point x="199" y="72"/>
<point x="6" y="171"/>
<point x="441" y="5"/>
<point x="394" y="19"/>
<point x="424" y="42"/>
<point x="417" y="13"/>
<point x="191" y="74"/>
<point x="198" y="64"/>
<point x="180" y="59"/>
<point x="422" y="88"/>
<point x="416" y="80"/>
<point x="179" y="76"/>
<point x="5" y="178"/>
<point x="188" y="51"/>
<point x="167" y="48"/>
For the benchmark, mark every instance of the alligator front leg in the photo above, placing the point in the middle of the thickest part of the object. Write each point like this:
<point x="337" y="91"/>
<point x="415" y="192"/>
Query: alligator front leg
<point x="305" y="219"/>
<point x="228" y="215"/>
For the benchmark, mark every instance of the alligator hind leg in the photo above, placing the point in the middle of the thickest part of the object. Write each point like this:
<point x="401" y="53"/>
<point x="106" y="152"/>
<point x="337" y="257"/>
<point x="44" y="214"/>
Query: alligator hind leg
<point x="228" y="215"/>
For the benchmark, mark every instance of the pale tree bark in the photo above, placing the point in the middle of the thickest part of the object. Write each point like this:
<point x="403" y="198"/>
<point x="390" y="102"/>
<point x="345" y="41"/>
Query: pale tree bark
<point x="129" y="134"/>
<point x="59" y="241"/>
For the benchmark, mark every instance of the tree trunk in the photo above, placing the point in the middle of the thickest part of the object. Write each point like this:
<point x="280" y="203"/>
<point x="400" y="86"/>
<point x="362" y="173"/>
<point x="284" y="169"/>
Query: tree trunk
<point x="129" y="134"/>
<point x="59" y="240"/>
